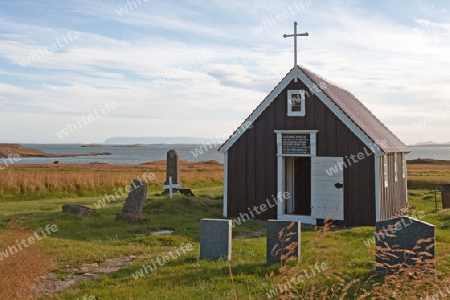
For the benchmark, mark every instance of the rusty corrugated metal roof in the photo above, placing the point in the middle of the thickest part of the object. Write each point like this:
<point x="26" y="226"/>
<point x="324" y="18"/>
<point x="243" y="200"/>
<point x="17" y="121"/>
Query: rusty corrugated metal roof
<point x="360" y="115"/>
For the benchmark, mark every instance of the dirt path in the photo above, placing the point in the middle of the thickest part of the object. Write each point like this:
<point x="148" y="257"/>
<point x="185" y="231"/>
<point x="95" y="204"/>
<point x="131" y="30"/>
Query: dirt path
<point x="49" y="284"/>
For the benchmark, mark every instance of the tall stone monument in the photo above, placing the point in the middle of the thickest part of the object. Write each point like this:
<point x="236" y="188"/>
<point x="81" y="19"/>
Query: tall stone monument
<point x="172" y="183"/>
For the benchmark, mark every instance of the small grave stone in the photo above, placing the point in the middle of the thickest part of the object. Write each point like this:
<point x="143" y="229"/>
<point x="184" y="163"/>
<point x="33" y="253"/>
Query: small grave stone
<point x="445" y="196"/>
<point x="283" y="240"/>
<point x="78" y="210"/>
<point x="134" y="205"/>
<point x="404" y="242"/>
<point x="215" y="239"/>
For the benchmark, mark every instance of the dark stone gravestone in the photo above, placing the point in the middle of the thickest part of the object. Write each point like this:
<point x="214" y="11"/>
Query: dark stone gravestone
<point x="134" y="205"/>
<point x="283" y="240"/>
<point x="172" y="170"/>
<point x="445" y="196"/>
<point x="404" y="242"/>
<point x="173" y="183"/>
<point x="215" y="239"/>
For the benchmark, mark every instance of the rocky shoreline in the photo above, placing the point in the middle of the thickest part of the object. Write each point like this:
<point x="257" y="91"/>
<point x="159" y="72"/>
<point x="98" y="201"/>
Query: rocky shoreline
<point x="11" y="150"/>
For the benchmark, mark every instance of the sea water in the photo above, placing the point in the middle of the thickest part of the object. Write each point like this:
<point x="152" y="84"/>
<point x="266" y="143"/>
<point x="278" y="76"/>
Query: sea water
<point x="146" y="153"/>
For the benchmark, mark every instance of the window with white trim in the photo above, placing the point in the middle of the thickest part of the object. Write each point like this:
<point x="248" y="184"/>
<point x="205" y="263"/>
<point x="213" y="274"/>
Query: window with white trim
<point x="395" y="168"/>
<point x="404" y="165"/>
<point x="386" y="171"/>
<point x="296" y="103"/>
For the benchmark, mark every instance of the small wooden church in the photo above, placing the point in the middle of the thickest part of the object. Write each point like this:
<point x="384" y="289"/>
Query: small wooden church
<point x="312" y="151"/>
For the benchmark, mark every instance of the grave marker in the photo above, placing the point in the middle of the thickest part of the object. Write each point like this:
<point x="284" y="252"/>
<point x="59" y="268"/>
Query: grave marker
<point x="172" y="173"/>
<point x="287" y="244"/>
<point x="173" y="183"/>
<point x="403" y="242"/>
<point x="134" y="205"/>
<point x="215" y="239"/>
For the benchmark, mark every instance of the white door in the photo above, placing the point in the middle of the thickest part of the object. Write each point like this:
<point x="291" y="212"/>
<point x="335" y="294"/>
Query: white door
<point x="327" y="190"/>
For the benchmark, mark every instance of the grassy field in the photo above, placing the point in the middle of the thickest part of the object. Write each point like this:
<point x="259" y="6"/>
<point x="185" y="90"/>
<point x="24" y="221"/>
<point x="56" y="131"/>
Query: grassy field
<point x="30" y="182"/>
<point x="427" y="173"/>
<point x="349" y="261"/>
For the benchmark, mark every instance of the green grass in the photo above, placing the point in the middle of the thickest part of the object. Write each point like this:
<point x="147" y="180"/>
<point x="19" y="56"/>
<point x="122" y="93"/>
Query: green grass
<point x="86" y="240"/>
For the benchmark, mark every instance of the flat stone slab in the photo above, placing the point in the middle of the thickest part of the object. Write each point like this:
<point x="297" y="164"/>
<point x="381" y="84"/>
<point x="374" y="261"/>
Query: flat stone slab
<point x="49" y="284"/>
<point x="215" y="239"/>
<point x="163" y="232"/>
<point x="283" y="240"/>
<point x="78" y="210"/>
<point x="404" y="242"/>
<point x="186" y="191"/>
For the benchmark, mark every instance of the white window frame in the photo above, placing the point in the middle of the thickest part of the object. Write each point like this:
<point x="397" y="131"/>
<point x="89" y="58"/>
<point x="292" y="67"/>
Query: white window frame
<point x="386" y="170"/>
<point x="395" y="168"/>
<point x="302" y="110"/>
<point x="404" y="165"/>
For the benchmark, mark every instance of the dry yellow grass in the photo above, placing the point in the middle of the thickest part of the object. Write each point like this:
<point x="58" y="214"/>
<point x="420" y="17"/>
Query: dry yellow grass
<point x="36" y="179"/>
<point x="419" y="281"/>
<point x="428" y="166"/>
<point x="428" y="173"/>
<point x="18" y="271"/>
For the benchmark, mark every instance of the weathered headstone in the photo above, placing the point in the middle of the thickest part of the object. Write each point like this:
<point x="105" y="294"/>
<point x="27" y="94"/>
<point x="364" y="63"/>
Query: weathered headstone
<point x="134" y="205"/>
<point x="215" y="239"/>
<point x="78" y="210"/>
<point x="172" y="170"/>
<point x="404" y="242"/>
<point x="283" y="240"/>
<point x="445" y="196"/>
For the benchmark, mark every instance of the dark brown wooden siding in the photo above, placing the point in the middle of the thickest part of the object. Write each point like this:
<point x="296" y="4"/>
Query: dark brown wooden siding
<point x="393" y="198"/>
<point x="252" y="160"/>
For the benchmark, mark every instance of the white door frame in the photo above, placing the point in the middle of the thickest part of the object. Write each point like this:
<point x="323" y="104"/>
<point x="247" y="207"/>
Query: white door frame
<point x="281" y="180"/>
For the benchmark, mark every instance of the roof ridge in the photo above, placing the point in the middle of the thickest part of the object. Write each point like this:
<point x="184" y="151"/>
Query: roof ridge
<point x="352" y="95"/>
<point x="352" y="109"/>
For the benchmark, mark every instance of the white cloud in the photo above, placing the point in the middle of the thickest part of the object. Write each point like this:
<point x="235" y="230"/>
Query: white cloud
<point x="397" y="68"/>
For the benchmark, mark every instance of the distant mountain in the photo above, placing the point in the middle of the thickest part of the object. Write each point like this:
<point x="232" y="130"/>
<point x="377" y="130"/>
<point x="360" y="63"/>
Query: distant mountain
<point x="156" y="140"/>
<point x="430" y="144"/>
<point x="426" y="143"/>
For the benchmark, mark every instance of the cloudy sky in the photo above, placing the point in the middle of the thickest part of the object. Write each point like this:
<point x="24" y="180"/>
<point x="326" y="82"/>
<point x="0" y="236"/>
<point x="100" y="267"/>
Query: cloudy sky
<point x="198" y="68"/>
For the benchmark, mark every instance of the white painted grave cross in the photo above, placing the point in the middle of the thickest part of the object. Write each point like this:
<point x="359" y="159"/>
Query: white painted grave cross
<point x="171" y="186"/>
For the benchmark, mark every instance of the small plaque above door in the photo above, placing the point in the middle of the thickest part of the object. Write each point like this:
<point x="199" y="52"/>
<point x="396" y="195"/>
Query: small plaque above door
<point x="296" y="144"/>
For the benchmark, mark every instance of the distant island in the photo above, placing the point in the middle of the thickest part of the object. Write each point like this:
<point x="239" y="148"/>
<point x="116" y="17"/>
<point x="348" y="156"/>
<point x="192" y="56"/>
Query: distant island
<point x="17" y="149"/>
<point x="156" y="140"/>
<point x="430" y="144"/>
<point x="132" y="145"/>
<point x="100" y="145"/>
